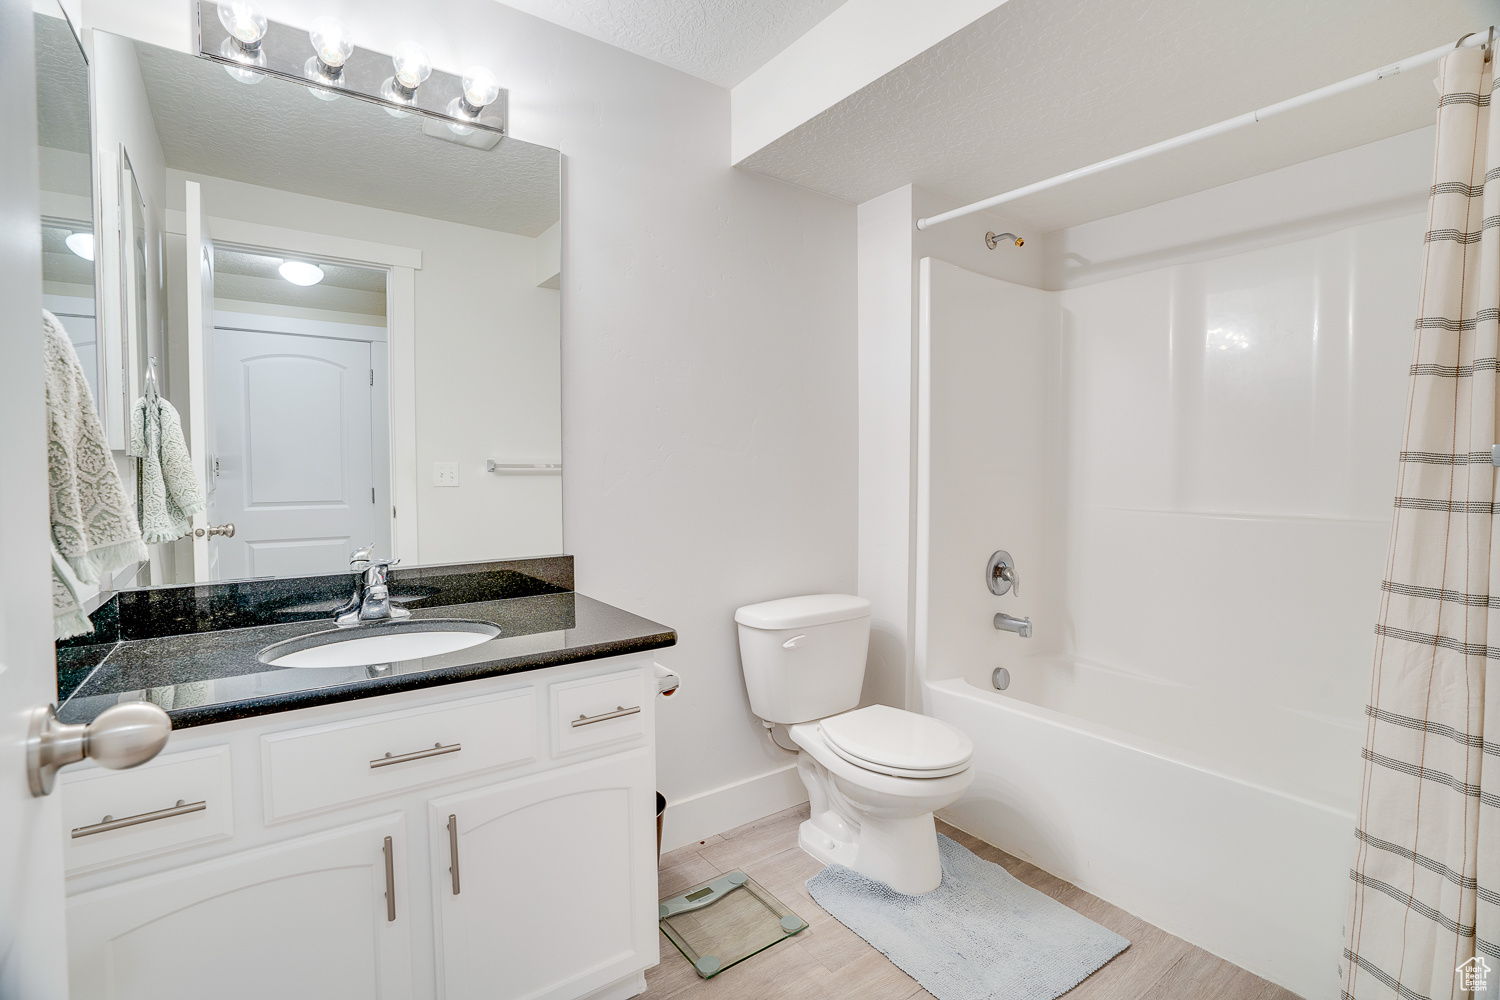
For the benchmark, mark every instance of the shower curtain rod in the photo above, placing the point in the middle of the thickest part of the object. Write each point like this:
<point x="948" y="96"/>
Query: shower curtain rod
<point x="1478" y="38"/>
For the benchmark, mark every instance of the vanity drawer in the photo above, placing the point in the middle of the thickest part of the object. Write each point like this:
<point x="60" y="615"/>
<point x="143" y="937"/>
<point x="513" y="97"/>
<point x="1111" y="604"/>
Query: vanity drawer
<point x="308" y="770"/>
<point x="177" y="800"/>
<point x="597" y="710"/>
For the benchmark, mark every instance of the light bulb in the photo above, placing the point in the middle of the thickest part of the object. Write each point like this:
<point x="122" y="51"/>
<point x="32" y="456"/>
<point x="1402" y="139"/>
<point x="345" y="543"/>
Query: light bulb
<point x="300" y="272"/>
<point x="480" y="87"/>
<point x="244" y="21"/>
<point x="82" y="244"/>
<point x="232" y="50"/>
<point x="331" y="43"/>
<point x="412" y="65"/>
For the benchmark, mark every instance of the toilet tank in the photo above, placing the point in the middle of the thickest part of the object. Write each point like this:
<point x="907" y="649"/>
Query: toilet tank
<point x="804" y="657"/>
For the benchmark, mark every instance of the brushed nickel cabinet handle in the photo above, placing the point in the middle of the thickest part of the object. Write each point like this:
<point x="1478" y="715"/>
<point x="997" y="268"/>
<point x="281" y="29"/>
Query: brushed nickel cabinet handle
<point x="620" y="712"/>
<point x="437" y="750"/>
<point x="453" y="849"/>
<point x="390" y="880"/>
<point x="109" y="823"/>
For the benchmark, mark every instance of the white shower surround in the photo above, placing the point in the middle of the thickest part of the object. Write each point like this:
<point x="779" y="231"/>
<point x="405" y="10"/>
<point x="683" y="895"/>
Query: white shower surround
<point x="1193" y="467"/>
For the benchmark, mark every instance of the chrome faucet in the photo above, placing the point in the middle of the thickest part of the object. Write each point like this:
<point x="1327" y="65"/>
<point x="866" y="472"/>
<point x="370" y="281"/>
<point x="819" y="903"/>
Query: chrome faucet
<point x="371" y="600"/>
<point x="1010" y="623"/>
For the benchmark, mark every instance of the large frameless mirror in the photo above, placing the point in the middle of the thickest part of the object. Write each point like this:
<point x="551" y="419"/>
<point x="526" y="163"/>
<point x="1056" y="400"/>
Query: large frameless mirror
<point x="69" y="244"/>
<point x="354" y="318"/>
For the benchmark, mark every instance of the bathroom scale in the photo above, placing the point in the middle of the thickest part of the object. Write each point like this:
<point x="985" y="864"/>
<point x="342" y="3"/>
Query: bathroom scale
<point x="724" y="921"/>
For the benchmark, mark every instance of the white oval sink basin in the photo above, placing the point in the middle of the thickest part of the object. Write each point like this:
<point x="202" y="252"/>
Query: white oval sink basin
<point x="363" y="646"/>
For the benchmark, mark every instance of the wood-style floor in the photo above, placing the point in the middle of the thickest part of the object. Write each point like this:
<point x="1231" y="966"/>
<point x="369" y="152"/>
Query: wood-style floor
<point x="830" y="962"/>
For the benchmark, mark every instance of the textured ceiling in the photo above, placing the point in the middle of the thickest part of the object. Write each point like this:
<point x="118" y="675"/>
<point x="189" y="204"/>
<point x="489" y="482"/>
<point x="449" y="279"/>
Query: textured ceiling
<point x="721" y="41"/>
<point x="62" y="87"/>
<point x="276" y="134"/>
<point x="253" y="277"/>
<point x="1039" y="87"/>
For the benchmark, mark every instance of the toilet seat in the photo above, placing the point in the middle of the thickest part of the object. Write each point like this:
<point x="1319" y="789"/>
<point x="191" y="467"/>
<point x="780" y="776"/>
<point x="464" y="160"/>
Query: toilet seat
<point x="902" y="744"/>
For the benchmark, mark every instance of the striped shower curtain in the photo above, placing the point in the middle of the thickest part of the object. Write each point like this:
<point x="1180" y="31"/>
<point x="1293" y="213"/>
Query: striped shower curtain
<point x="1424" y="912"/>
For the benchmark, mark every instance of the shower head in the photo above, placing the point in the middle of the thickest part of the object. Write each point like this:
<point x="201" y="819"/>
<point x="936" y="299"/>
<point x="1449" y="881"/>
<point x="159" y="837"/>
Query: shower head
<point x="992" y="241"/>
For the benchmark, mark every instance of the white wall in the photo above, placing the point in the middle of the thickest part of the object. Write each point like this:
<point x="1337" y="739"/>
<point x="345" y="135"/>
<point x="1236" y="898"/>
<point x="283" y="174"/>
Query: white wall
<point x="889" y="247"/>
<point x="709" y="373"/>
<point x="486" y="365"/>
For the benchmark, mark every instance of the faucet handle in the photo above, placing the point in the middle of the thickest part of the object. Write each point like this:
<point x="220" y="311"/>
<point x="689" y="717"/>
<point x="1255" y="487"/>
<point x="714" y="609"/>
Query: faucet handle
<point x="360" y="558"/>
<point x="1001" y="574"/>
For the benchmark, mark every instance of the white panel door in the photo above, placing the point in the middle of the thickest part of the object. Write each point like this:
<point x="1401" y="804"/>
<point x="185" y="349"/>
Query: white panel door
<point x="555" y="893"/>
<point x="296" y="469"/>
<point x="308" y="918"/>
<point x="31" y="930"/>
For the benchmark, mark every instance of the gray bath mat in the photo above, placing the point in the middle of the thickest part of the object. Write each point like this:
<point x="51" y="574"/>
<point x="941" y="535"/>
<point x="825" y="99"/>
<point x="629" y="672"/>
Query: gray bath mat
<point x="981" y="935"/>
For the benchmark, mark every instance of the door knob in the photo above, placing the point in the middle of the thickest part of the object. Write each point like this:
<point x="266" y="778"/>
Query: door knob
<point x="122" y="736"/>
<point x="227" y="530"/>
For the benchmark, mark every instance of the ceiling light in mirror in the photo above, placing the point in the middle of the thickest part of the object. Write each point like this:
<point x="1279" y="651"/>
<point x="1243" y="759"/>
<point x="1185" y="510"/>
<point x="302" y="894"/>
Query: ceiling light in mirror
<point x="244" y="21"/>
<point x="82" y="244"/>
<point x="300" y="272"/>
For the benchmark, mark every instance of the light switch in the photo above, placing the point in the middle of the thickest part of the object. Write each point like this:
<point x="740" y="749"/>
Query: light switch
<point x="445" y="473"/>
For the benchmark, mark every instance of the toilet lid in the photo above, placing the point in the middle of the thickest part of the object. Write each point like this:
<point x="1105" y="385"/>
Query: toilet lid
<point x="889" y="737"/>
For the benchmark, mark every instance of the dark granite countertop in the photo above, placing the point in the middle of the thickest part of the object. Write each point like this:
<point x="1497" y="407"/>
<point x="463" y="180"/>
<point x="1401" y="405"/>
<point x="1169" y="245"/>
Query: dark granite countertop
<point x="210" y="675"/>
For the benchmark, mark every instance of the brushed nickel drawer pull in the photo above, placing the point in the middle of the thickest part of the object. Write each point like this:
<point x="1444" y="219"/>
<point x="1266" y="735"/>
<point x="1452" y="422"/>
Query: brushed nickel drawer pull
<point x="620" y="712"/>
<point x="390" y="880"/>
<point x="437" y="750"/>
<point x="109" y="823"/>
<point x="453" y="849"/>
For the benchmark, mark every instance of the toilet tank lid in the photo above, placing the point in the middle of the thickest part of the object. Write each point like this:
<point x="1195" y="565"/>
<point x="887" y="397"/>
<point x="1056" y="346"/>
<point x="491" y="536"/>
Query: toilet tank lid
<point x="799" y="612"/>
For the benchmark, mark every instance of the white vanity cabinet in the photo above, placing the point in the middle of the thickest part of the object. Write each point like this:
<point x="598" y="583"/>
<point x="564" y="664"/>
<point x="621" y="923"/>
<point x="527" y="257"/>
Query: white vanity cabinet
<point x="307" y="918"/>
<point x="541" y="883"/>
<point x="321" y="866"/>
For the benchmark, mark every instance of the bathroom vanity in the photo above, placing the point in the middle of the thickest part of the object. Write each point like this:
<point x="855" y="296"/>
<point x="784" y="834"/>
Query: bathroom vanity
<point x="476" y="823"/>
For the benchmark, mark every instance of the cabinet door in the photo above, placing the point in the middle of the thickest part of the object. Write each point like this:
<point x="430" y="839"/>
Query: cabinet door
<point x="554" y="893"/>
<point x="307" y="918"/>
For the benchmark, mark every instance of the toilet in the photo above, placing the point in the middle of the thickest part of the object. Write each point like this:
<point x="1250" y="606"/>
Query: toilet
<point x="874" y="775"/>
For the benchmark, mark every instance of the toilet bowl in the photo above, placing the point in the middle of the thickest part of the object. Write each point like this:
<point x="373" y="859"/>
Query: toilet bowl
<point x="874" y="775"/>
<point x="873" y="817"/>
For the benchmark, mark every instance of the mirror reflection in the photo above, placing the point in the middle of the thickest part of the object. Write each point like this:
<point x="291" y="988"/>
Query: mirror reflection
<point x="307" y="289"/>
<point x="68" y="250"/>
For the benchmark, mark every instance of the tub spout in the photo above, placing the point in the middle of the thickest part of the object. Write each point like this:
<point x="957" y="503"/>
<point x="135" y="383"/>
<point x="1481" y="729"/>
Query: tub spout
<point x="1010" y="623"/>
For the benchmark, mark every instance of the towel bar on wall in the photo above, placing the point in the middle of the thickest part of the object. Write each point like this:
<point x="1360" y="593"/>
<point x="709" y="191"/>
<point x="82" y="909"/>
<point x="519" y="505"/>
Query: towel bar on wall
<point x="523" y="468"/>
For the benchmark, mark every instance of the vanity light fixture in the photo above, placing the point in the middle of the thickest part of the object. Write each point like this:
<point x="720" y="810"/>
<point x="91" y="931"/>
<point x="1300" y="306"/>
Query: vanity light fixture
<point x="299" y="272"/>
<point x="237" y="36"/>
<point x="480" y="88"/>
<point x="412" y="70"/>
<point x="82" y="244"/>
<point x="246" y="24"/>
<point x="332" y="47"/>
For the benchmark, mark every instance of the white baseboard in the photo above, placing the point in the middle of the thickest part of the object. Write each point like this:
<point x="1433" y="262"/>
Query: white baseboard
<point x="716" y="810"/>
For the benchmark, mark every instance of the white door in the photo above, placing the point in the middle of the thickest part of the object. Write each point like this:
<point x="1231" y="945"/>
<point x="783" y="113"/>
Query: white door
<point x="294" y="418"/>
<point x="555" y="893"/>
<point x="199" y="282"/>
<point x="322" y="916"/>
<point x="31" y="926"/>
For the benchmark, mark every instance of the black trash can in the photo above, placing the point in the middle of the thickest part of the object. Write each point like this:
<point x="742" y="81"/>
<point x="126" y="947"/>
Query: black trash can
<point x="661" y="808"/>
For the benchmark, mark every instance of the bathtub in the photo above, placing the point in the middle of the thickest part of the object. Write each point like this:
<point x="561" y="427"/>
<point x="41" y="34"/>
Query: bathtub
<point x="1226" y="823"/>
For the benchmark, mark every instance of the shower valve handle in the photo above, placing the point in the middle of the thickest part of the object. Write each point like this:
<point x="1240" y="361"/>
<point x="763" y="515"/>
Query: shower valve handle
<point x="1001" y="574"/>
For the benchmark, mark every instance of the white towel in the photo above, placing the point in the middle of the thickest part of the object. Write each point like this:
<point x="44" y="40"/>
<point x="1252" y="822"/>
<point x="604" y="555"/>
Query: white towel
<point x="169" y="492"/>
<point x="93" y="528"/>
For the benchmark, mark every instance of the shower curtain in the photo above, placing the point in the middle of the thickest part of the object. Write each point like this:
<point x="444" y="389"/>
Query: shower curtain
<point x="1424" y="913"/>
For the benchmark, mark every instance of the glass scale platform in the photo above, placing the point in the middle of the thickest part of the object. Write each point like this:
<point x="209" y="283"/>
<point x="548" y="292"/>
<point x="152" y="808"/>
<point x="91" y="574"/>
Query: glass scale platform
<point x="724" y="921"/>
